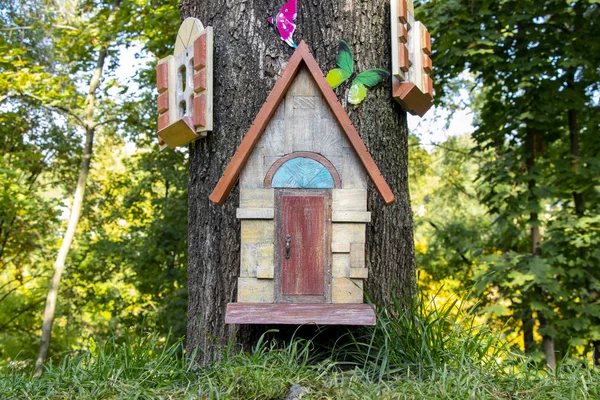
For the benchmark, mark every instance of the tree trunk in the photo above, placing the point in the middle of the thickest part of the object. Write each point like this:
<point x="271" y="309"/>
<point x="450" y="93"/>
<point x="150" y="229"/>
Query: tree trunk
<point x="59" y="265"/>
<point x="548" y="340"/>
<point x="249" y="56"/>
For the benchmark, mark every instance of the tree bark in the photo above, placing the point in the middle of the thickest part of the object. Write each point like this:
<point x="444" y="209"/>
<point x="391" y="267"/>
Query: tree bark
<point x="547" y="340"/>
<point x="59" y="265"/>
<point x="249" y="56"/>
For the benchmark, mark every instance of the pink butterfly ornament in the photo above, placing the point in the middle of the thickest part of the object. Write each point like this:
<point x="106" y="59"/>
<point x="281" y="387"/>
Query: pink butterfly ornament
<point x="284" y="22"/>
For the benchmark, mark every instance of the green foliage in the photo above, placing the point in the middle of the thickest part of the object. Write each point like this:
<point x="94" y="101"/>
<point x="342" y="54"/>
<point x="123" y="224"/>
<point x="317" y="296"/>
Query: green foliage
<point x="129" y="257"/>
<point x="534" y="81"/>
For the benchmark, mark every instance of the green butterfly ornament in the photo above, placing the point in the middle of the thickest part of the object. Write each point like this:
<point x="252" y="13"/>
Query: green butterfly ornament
<point x="360" y="81"/>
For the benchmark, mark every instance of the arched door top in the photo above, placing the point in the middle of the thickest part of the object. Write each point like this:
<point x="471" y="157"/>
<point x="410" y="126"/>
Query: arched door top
<point x="303" y="170"/>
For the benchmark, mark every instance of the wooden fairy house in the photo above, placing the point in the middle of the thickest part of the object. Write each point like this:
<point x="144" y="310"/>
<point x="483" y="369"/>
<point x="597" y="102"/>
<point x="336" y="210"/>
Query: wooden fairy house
<point x="302" y="170"/>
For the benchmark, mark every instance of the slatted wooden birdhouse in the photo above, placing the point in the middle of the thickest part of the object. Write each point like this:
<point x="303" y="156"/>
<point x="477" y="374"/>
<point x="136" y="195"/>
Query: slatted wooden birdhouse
<point x="412" y="85"/>
<point x="185" y="87"/>
<point x="302" y="169"/>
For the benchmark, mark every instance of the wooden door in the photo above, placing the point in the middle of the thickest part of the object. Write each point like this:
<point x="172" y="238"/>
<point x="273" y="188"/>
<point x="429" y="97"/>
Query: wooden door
<point x="303" y="245"/>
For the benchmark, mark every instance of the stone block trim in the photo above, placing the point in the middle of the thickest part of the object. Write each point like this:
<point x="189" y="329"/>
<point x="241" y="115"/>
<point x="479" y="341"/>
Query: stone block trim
<point x="265" y="272"/>
<point x="258" y="232"/>
<point x="255" y="213"/>
<point x="257" y="198"/>
<point x="346" y="290"/>
<point x="351" y="216"/>
<point x="357" y="255"/>
<point x="359" y="273"/>
<point x="252" y="290"/>
<point x="349" y="200"/>
<point x="340" y="247"/>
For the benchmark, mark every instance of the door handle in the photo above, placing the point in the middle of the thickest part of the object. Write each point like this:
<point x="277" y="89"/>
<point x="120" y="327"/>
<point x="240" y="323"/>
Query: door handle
<point x="288" y="240"/>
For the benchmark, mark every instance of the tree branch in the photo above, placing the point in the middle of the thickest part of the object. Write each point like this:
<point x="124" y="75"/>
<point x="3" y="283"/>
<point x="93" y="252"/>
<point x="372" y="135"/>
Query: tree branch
<point x="58" y="108"/>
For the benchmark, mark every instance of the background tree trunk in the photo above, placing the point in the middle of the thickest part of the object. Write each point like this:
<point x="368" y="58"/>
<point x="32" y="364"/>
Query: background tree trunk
<point x="76" y="207"/>
<point x="249" y="56"/>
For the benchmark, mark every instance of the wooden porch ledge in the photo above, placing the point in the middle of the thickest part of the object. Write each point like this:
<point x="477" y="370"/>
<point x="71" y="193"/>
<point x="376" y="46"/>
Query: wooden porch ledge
<point x="299" y="314"/>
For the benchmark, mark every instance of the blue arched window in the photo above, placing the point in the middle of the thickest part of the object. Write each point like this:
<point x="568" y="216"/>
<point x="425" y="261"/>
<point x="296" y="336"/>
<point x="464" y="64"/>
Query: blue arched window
<point x="303" y="173"/>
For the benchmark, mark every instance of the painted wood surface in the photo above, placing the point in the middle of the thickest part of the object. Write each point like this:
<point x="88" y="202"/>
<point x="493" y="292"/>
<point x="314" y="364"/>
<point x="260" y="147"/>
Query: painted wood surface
<point x="257" y="198"/>
<point x="255" y="213"/>
<point x="349" y="200"/>
<point x="345" y="290"/>
<point x="297" y="314"/>
<point x="303" y="227"/>
<point x="255" y="255"/>
<point x="302" y="173"/>
<point x="301" y="57"/>
<point x="412" y="85"/>
<point x="310" y="165"/>
<point x="359" y="273"/>
<point x="185" y="86"/>
<point x="351" y="216"/>
<point x="337" y="247"/>
<point x="265" y="272"/>
<point x="252" y="290"/>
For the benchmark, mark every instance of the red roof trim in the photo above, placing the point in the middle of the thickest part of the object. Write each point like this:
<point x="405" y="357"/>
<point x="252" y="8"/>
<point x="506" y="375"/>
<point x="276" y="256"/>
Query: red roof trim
<point x="239" y="159"/>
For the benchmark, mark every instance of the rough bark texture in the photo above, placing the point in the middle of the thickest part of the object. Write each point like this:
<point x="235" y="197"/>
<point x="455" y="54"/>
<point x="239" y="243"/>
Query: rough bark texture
<point x="547" y="340"/>
<point x="249" y="55"/>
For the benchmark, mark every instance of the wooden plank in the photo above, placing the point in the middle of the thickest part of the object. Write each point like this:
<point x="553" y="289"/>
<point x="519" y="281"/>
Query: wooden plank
<point x="188" y="31"/>
<point x="353" y="174"/>
<point x="257" y="231"/>
<point x="254" y="171"/>
<point x="252" y="290"/>
<point x="343" y="247"/>
<point x="411" y="98"/>
<point x="351" y="216"/>
<point x="248" y="260"/>
<point x="402" y="11"/>
<point x="257" y="198"/>
<point x="299" y="314"/>
<point x="359" y="273"/>
<point x="340" y="265"/>
<point x="265" y="272"/>
<point x="348" y="232"/>
<point x="162" y="75"/>
<point x="357" y="255"/>
<point x="303" y="228"/>
<point x="425" y="41"/>
<point x="255" y="213"/>
<point x="235" y="166"/>
<point x="349" y="200"/>
<point x="179" y="133"/>
<point x="345" y="290"/>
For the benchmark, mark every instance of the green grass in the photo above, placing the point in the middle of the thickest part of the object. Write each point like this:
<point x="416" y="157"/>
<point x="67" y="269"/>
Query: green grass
<point x="424" y="353"/>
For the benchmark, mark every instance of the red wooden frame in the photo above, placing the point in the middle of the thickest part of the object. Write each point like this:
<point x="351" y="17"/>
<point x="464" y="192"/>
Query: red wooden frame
<point x="279" y="297"/>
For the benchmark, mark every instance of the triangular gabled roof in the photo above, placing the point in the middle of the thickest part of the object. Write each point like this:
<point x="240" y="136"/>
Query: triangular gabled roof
<point x="301" y="55"/>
